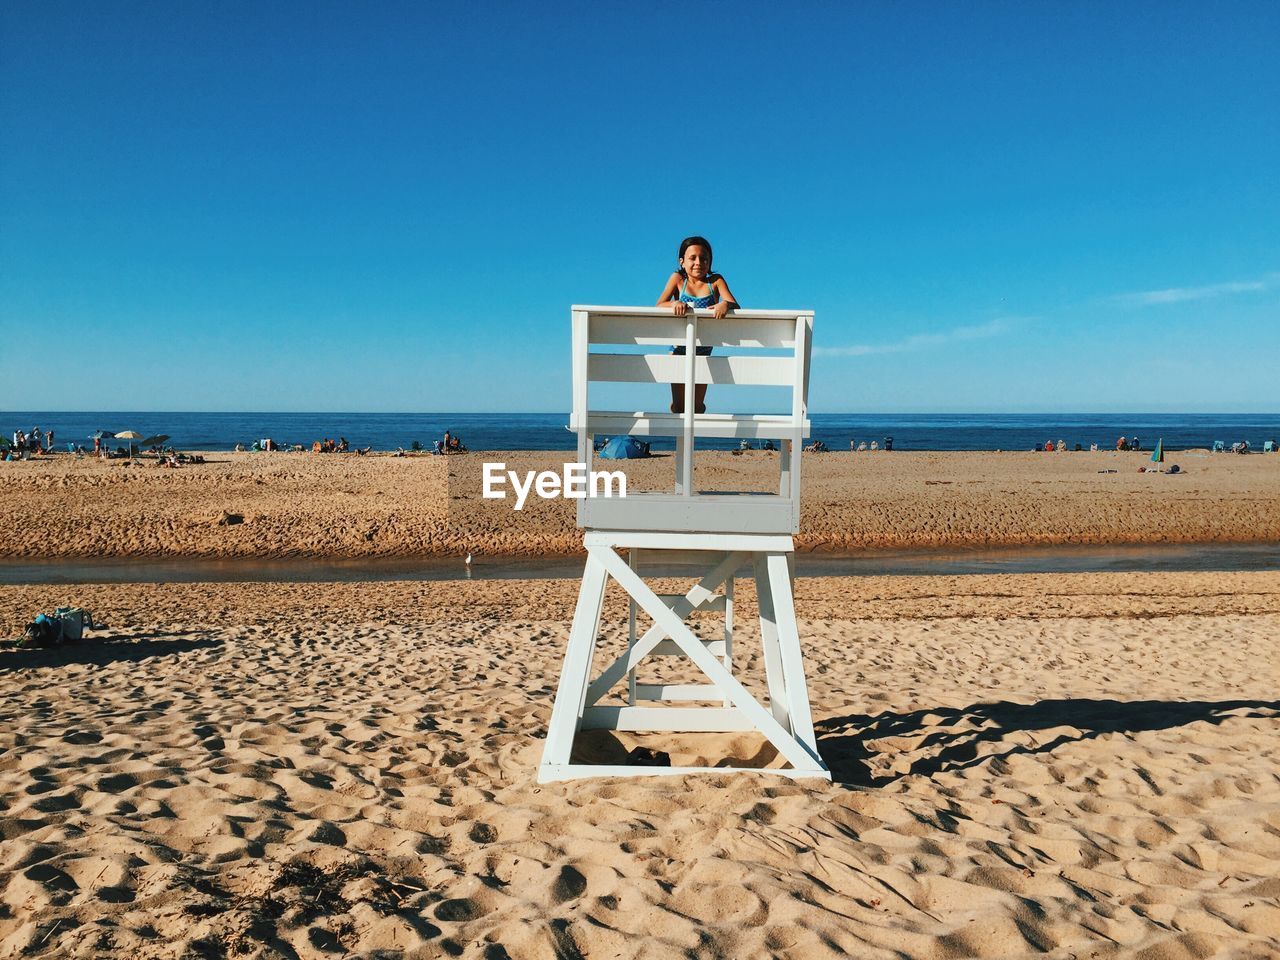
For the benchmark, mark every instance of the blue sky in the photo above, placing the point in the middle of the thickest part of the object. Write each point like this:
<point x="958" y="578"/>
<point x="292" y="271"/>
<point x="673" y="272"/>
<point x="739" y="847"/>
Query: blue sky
<point x="390" y="207"/>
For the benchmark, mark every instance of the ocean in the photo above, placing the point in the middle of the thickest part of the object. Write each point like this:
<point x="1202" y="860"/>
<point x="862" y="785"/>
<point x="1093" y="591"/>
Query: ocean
<point x="546" y="431"/>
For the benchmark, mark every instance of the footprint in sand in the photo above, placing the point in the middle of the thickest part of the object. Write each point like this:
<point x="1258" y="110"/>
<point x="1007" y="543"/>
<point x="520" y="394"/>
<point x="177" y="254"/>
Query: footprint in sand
<point x="457" y="910"/>
<point x="569" y="885"/>
<point x="116" y="783"/>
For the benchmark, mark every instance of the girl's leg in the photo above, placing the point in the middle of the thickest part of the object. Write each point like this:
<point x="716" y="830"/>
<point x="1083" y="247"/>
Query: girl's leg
<point x="699" y="398"/>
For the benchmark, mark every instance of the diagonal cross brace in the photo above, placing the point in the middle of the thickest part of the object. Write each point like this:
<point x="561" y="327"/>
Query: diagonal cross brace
<point x="703" y="591"/>
<point x="800" y="754"/>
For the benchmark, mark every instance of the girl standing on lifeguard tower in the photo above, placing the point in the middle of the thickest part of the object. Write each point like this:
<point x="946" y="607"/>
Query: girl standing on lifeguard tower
<point x="694" y="285"/>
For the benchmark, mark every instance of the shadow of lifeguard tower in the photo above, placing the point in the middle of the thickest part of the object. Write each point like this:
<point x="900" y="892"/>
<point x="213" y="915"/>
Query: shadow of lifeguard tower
<point x="723" y="531"/>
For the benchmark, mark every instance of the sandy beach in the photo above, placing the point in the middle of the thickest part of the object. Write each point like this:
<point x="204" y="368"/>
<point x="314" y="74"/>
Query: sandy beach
<point x="1071" y="765"/>
<point x="1063" y="765"/>
<point x="276" y="505"/>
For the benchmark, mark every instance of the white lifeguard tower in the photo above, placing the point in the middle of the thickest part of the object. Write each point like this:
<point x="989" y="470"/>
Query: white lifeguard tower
<point x="724" y="531"/>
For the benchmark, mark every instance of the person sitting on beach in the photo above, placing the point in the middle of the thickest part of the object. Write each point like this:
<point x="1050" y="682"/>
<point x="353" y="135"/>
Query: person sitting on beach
<point x="1122" y="444"/>
<point x="694" y="285"/>
<point x="342" y="445"/>
<point x="455" y="445"/>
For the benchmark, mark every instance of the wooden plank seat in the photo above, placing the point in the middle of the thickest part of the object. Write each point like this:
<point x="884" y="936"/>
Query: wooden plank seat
<point x="724" y="426"/>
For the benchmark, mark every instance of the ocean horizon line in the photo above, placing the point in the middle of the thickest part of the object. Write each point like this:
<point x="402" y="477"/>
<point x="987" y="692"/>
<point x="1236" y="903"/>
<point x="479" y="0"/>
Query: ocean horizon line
<point x="565" y="413"/>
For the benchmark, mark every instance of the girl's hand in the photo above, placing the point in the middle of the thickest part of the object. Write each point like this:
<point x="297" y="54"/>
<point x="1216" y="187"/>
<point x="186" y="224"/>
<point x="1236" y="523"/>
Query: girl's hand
<point x="720" y="309"/>
<point x="679" y="308"/>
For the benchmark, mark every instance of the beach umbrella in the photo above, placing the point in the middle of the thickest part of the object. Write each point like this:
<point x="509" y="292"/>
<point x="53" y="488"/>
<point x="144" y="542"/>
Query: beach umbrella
<point x="1157" y="455"/>
<point x="155" y="441"/>
<point x="624" y="448"/>
<point x="129" y="435"/>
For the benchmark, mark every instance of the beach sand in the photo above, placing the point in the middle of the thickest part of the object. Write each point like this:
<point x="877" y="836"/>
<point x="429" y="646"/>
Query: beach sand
<point x="1077" y="766"/>
<point x="274" y="505"/>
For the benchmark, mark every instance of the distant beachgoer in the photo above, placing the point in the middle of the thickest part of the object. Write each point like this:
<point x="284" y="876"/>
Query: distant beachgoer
<point x="1048" y="445"/>
<point x="694" y="285"/>
<point x="48" y="441"/>
<point x="342" y="445"/>
<point x="1135" y="444"/>
<point x="1122" y="444"/>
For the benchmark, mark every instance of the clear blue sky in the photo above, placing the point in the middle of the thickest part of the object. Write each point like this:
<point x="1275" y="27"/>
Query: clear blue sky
<point x="369" y="207"/>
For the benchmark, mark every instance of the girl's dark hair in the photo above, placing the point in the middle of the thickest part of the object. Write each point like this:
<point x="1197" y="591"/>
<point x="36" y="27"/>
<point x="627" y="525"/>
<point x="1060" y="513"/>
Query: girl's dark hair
<point x="688" y="242"/>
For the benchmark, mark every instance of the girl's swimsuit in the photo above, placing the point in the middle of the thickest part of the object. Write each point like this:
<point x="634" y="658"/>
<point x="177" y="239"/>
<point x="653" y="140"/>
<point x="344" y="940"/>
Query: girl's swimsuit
<point x="698" y="303"/>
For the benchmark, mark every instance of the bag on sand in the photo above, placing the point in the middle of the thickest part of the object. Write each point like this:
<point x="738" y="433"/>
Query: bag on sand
<point x="67" y="625"/>
<point x="73" y="622"/>
<point x="40" y="632"/>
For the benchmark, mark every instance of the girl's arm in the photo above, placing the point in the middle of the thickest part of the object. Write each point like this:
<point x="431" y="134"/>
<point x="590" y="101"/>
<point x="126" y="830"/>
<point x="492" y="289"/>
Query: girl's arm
<point x="727" y="301"/>
<point x="678" y="306"/>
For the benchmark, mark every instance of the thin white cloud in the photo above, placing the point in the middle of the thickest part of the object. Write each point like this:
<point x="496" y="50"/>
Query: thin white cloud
<point x="920" y="341"/>
<point x="1149" y="298"/>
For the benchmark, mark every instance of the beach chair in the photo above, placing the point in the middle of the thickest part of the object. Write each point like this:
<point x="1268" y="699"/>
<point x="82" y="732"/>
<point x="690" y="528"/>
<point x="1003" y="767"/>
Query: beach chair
<point x="1219" y="446"/>
<point x="722" y="531"/>
<point x="1269" y="446"/>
